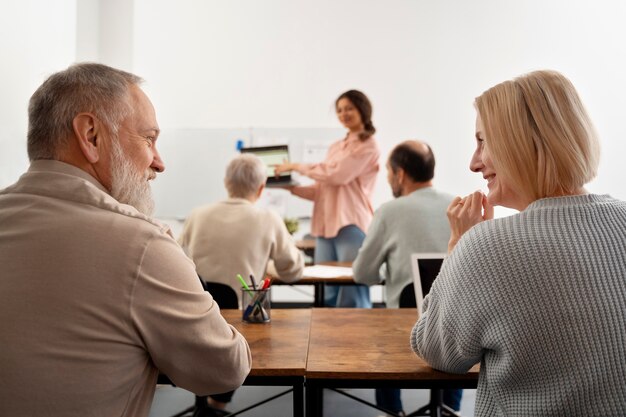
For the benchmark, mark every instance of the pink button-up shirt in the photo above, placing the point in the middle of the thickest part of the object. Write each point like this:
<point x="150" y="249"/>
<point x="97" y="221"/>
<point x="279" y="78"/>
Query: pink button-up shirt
<point x="343" y="186"/>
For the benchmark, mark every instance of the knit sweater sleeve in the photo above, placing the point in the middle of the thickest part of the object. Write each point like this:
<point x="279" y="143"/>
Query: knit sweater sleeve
<point x="538" y="298"/>
<point x="449" y="332"/>
<point x="373" y="252"/>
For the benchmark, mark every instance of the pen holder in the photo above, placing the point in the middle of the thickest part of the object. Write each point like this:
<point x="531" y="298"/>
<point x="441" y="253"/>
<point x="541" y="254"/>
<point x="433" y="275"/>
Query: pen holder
<point x="256" y="305"/>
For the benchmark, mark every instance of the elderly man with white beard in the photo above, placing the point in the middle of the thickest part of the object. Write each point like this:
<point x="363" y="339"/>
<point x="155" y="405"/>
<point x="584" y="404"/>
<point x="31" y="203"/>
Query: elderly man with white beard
<point x="96" y="296"/>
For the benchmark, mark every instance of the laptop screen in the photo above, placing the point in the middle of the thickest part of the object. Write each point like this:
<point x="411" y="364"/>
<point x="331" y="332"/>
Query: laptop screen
<point x="425" y="267"/>
<point x="272" y="156"/>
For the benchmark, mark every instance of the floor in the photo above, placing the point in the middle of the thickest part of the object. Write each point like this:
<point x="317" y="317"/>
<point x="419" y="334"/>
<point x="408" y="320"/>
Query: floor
<point x="169" y="400"/>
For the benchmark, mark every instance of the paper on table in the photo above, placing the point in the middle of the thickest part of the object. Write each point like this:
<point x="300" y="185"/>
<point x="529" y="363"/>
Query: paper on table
<point x="325" y="271"/>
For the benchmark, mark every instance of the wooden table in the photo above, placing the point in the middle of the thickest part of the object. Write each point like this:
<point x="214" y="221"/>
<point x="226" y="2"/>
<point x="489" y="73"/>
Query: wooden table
<point x="279" y="350"/>
<point x="319" y="282"/>
<point x="368" y="348"/>
<point x="307" y="246"/>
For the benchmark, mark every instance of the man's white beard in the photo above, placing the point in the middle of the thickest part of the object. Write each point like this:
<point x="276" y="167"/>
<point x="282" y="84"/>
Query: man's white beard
<point x="129" y="186"/>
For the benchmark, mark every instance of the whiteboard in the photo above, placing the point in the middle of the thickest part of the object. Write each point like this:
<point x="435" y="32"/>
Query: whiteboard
<point x="196" y="159"/>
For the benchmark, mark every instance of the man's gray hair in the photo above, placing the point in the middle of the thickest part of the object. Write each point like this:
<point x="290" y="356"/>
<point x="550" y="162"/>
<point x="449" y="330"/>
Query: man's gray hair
<point x="244" y="175"/>
<point x="84" y="87"/>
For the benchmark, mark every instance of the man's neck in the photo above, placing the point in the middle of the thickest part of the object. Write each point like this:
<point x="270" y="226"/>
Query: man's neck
<point x="250" y="198"/>
<point x="414" y="186"/>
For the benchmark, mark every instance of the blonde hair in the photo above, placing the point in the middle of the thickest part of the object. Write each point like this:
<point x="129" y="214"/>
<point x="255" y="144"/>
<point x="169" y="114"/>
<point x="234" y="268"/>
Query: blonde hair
<point x="244" y="175"/>
<point x="539" y="134"/>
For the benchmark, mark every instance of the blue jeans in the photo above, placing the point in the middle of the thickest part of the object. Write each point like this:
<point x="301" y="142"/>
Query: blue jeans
<point x="343" y="248"/>
<point x="389" y="398"/>
<point x="452" y="398"/>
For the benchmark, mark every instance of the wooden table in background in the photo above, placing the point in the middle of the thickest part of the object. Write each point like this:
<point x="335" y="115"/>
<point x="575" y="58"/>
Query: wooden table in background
<point x="368" y="348"/>
<point x="307" y="246"/>
<point x="279" y="350"/>
<point x="319" y="282"/>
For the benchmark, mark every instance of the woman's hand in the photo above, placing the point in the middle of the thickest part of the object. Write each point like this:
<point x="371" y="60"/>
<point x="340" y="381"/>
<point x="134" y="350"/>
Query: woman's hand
<point x="284" y="167"/>
<point x="464" y="213"/>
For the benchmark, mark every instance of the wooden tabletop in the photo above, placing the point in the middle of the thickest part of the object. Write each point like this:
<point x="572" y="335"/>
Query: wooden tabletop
<point x="279" y="348"/>
<point x="352" y="343"/>
<point x="337" y="263"/>
<point x="305" y="244"/>
<point x="347" y="279"/>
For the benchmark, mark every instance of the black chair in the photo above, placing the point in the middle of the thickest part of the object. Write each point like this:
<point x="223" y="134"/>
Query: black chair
<point x="223" y="294"/>
<point x="407" y="297"/>
<point x="226" y="298"/>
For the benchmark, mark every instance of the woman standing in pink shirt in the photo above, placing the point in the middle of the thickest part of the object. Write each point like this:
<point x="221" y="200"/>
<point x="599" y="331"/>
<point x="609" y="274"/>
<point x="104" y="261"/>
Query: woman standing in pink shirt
<point x="344" y="182"/>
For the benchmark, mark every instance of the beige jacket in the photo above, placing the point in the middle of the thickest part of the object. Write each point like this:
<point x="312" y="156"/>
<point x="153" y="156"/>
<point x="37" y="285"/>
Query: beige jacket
<point x="94" y="299"/>
<point x="236" y="237"/>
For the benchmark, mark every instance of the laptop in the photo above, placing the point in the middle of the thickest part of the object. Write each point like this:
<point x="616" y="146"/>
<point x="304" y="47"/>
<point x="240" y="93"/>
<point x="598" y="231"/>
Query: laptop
<point x="425" y="268"/>
<point x="271" y="157"/>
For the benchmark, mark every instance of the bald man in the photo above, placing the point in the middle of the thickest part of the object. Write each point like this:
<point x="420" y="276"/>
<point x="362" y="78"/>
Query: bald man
<point x="415" y="222"/>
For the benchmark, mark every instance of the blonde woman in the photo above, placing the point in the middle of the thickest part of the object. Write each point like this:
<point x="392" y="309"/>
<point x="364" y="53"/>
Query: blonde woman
<point x="538" y="297"/>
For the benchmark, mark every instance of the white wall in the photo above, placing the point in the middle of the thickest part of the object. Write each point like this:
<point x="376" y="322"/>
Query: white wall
<point x="104" y="32"/>
<point x="36" y="39"/>
<point x="277" y="63"/>
<point x="280" y="63"/>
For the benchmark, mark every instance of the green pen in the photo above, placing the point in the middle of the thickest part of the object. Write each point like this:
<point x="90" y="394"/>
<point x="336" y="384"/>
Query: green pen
<point x="243" y="282"/>
<point x="253" y="299"/>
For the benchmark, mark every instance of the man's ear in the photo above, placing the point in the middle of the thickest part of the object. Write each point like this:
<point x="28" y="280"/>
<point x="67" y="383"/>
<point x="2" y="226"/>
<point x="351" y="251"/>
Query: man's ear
<point x="400" y="176"/>
<point x="86" y="129"/>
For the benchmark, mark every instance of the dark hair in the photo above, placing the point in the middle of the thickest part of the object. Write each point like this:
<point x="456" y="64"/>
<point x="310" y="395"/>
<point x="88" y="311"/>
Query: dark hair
<point x="417" y="164"/>
<point x="364" y="107"/>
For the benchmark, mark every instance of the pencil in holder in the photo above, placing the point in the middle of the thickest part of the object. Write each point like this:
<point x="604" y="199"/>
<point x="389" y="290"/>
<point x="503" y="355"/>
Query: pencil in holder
<point x="256" y="305"/>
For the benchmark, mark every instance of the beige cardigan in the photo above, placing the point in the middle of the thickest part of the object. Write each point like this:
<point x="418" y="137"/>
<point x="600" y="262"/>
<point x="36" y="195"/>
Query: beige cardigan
<point x="94" y="298"/>
<point x="236" y="237"/>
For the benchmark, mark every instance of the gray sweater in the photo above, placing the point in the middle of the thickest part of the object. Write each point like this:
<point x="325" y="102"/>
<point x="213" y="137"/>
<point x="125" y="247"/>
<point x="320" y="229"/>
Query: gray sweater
<point x="415" y="223"/>
<point x="539" y="299"/>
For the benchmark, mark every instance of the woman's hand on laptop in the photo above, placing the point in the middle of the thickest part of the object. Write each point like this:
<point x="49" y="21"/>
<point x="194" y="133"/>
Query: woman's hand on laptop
<point x="285" y="167"/>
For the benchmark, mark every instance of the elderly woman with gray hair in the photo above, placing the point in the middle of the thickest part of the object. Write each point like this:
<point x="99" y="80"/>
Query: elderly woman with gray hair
<point x="235" y="237"/>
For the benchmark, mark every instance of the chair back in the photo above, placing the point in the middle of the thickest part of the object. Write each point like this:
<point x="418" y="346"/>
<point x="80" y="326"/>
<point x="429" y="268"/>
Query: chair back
<point x="223" y="294"/>
<point x="407" y="297"/>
